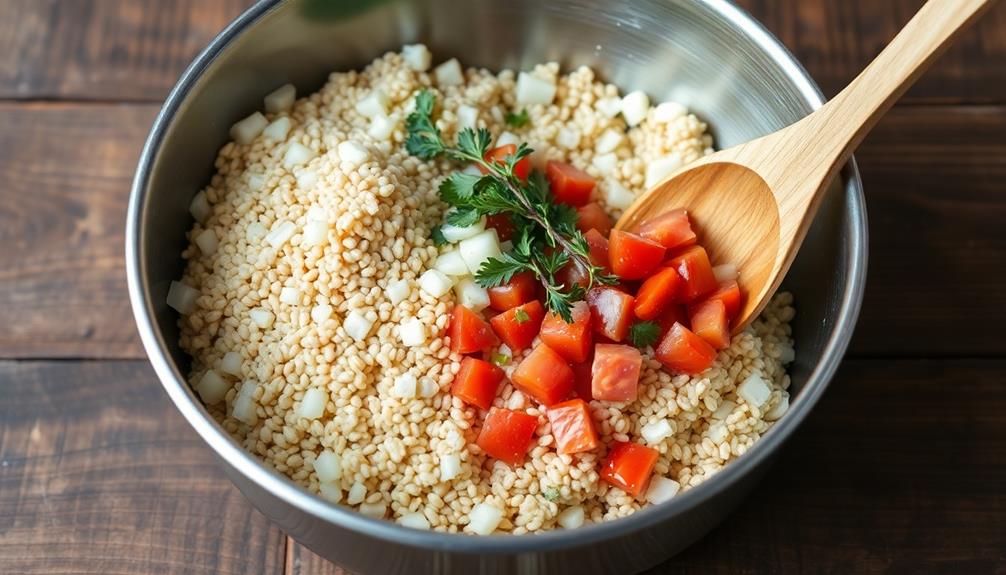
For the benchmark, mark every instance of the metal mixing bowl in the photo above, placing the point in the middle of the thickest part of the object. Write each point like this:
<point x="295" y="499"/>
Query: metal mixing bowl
<point x="706" y="54"/>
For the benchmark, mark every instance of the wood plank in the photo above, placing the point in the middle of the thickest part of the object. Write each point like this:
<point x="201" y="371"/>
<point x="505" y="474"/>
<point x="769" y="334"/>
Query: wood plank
<point x="115" y="50"/>
<point x="99" y="474"/>
<point x="899" y="469"/>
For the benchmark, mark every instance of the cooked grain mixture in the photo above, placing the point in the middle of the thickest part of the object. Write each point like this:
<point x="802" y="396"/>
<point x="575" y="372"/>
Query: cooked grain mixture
<point x="305" y="259"/>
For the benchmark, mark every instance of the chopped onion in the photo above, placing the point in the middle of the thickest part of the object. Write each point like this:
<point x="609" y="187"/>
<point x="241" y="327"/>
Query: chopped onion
<point x="657" y="431"/>
<point x="352" y="153"/>
<point x="289" y="295"/>
<point x="725" y="272"/>
<point x="328" y="467"/>
<point x="779" y="409"/>
<point x="281" y="234"/>
<point x="661" y="489"/>
<point x="468" y="117"/>
<point x="281" y="99"/>
<point x="357" y="326"/>
<point x="427" y="388"/>
<point x="278" y="129"/>
<point x="532" y="89"/>
<point x="330" y="492"/>
<point x="412" y="332"/>
<point x="398" y="291"/>
<point x="456" y="234"/>
<point x="315" y="233"/>
<point x="507" y="138"/>
<point x="306" y="180"/>
<point x="635" y="105"/>
<point x="373" y="104"/>
<point x="297" y="154"/>
<point x="357" y="493"/>
<point x="244" y="404"/>
<point x="754" y="390"/>
<point x="200" y="207"/>
<point x="724" y="410"/>
<point x="212" y="388"/>
<point x="256" y="181"/>
<point x="568" y="138"/>
<point x="256" y="232"/>
<point x="417" y="57"/>
<point x="449" y="73"/>
<point x="485" y="518"/>
<point x="571" y="517"/>
<point x="659" y="169"/>
<point x="479" y="248"/>
<point x="207" y="242"/>
<point x="718" y="432"/>
<point x="610" y="107"/>
<point x="182" y="297"/>
<point x="246" y="130"/>
<point x="786" y="354"/>
<point x="381" y="128"/>
<point x="231" y="363"/>
<point x="313" y="404"/>
<point x="450" y="466"/>
<point x="405" y="386"/>
<point x="435" y="283"/>
<point x="375" y="510"/>
<point x="451" y="263"/>
<point x="605" y="163"/>
<point x="414" y="521"/>
<point x="321" y="312"/>
<point x="471" y="170"/>
<point x="262" y="317"/>
<point x="472" y="295"/>
<point x="617" y="196"/>
<point x="516" y="401"/>
<point x="667" y="112"/>
<point x="609" y="141"/>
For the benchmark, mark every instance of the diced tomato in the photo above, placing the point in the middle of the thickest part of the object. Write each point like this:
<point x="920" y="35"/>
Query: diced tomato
<point x="730" y="294"/>
<point x="675" y="313"/>
<point x="581" y="379"/>
<point x="506" y="435"/>
<point x="544" y="375"/>
<point x="570" y="340"/>
<point x="598" y="246"/>
<point x="593" y="217"/>
<point x="709" y="321"/>
<point x="498" y="156"/>
<point x="611" y="312"/>
<point x="656" y="293"/>
<point x="672" y="230"/>
<point x="518" y="326"/>
<point x="633" y="257"/>
<point x="693" y="266"/>
<point x="569" y="185"/>
<point x="502" y="224"/>
<point x="682" y="351"/>
<point x="469" y="332"/>
<point x="628" y="466"/>
<point x="477" y="382"/>
<point x="615" y="373"/>
<point x="519" y="290"/>
<point x="572" y="426"/>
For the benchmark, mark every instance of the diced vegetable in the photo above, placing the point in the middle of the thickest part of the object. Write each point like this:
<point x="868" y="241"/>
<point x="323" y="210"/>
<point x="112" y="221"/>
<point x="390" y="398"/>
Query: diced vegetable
<point x="593" y="217"/>
<point x="328" y="466"/>
<point x="610" y="106"/>
<point x="450" y="466"/>
<point x="414" y="520"/>
<point x="200" y="207"/>
<point x="468" y="117"/>
<point x="694" y="268"/>
<point x="610" y="140"/>
<point x="569" y="184"/>
<point x="212" y="388"/>
<point x="246" y="130"/>
<point x="352" y="153"/>
<point x="709" y="321"/>
<point x="479" y="248"/>
<point x="568" y="138"/>
<point x="357" y="493"/>
<point x="281" y="99"/>
<point x="616" y="195"/>
<point x="277" y="129"/>
<point x="659" y="169"/>
<point x="570" y="340"/>
<point x="417" y="57"/>
<point x="232" y="363"/>
<point x="502" y="224"/>
<point x="605" y="163"/>
<point x="357" y="325"/>
<point x="506" y="435"/>
<point x="435" y="283"/>
<point x="182" y="297"/>
<point x="662" y="489"/>
<point x="281" y="233"/>
<point x="571" y="517"/>
<point x="519" y="290"/>
<point x="456" y="234"/>
<point x="471" y="295"/>
<point x="672" y="229"/>
<point x="321" y="313"/>
<point x="544" y="375"/>
<point x="398" y="291"/>
<point x="507" y="138"/>
<point x="628" y="466"/>
<point x="477" y="382"/>
<point x="730" y="294"/>
<point x="312" y="406"/>
<point x="572" y="426"/>
<point x="518" y="326"/>
<point x="289" y="295"/>
<point x="484" y="518"/>
<point x="657" y="293"/>
<point x="449" y="73"/>
<point x="611" y="312"/>
<point x="582" y="379"/>
<point x="244" y="404"/>
<point x="405" y="386"/>
<point x="499" y="154"/>
<point x="469" y="332"/>
<point x="451" y="263"/>
<point x="615" y="372"/>
<point x="315" y="233"/>
<point x="754" y="390"/>
<point x="412" y="332"/>
<point x="375" y="510"/>
<point x="297" y="154"/>
<point x="682" y="351"/>
<point x="635" y="105"/>
<point x="667" y="112"/>
<point x="532" y="89"/>
<point x="381" y="128"/>
<point x="262" y="317"/>
<point x="633" y="257"/>
<point x="779" y="409"/>
<point x="725" y="273"/>
<point x="598" y="246"/>
<point x="657" y="431"/>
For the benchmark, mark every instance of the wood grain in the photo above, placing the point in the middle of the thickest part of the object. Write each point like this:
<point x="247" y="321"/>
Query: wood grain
<point x="98" y="474"/>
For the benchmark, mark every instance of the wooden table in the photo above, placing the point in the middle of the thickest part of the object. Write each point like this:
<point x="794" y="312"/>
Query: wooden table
<point x="902" y="467"/>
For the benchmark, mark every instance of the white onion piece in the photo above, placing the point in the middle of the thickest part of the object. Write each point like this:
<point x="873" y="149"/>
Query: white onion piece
<point x="375" y="510"/>
<point x="328" y="467"/>
<point x="477" y="249"/>
<point x="357" y="493"/>
<point x="414" y="521"/>
<point x="659" y="169"/>
<point x="381" y="128"/>
<point x="255" y="232"/>
<point x="661" y="489"/>
<point x="617" y="196"/>
<point x="507" y="138"/>
<point x="472" y="295"/>
<point x="485" y="518"/>
<point x="244" y="404"/>
<point x="657" y="431"/>
<point x="718" y="432"/>
<point x="357" y="325"/>
<point x="451" y="263"/>
<point x="315" y="233"/>
<point x="724" y="410"/>
<point x="207" y="242"/>
<point x="450" y="466"/>
<point x="449" y="73"/>
<point x="182" y="297"/>
<point x="212" y="388"/>
<point x="256" y="181"/>
<point x="313" y="404"/>
<point x="417" y="57"/>
<point x="278" y="129"/>
<point x="456" y="234"/>
<point x="200" y="207"/>
<point x="605" y="163"/>
<point x="427" y="388"/>
<point x="331" y="492"/>
<point x="571" y="517"/>
<point x="609" y="141"/>
<point x="412" y="332"/>
<point x="468" y="117"/>
<point x="246" y="130"/>
<point x="373" y="104"/>
<point x="667" y="112"/>
<point x="352" y="153"/>
<point x="262" y="317"/>
<point x="754" y="390"/>
<point x="568" y="138"/>
<point x="610" y="107"/>
<point x="635" y="105"/>
<point x="281" y="234"/>
<point x="405" y="386"/>
<point x="321" y="312"/>
<point x="725" y="272"/>
<point x="231" y="363"/>
<point x="289" y="295"/>
<point x="398" y="291"/>
<point x="296" y="155"/>
<point x="281" y="99"/>
<point x="306" y="180"/>
<point x="786" y="354"/>
<point x="779" y="409"/>
<point x="532" y="89"/>
<point x="435" y="283"/>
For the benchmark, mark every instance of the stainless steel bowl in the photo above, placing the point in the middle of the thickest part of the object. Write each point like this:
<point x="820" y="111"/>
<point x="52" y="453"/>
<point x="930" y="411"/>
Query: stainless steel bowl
<point x="707" y="54"/>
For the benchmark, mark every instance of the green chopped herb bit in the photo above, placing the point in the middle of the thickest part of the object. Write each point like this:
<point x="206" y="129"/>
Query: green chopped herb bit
<point x="517" y="120"/>
<point x="500" y="358"/>
<point x="551" y="494"/>
<point x="644" y="333"/>
<point x="520" y="316"/>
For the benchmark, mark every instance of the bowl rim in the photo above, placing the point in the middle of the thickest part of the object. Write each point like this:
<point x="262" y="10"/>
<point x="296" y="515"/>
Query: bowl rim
<point x="244" y="462"/>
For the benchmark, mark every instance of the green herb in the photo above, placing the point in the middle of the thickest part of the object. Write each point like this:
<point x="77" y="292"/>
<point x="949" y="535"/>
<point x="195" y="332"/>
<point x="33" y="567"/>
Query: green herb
<point x="438" y="236"/>
<point x="520" y="316"/>
<point x="545" y="235"/>
<point x="500" y="358"/>
<point x="644" y="333"/>
<point x="517" y="120"/>
<point x="551" y="494"/>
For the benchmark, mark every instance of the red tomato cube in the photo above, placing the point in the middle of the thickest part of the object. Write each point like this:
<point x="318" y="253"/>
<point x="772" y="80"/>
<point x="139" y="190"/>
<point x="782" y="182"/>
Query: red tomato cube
<point x="633" y="257"/>
<point x="469" y="332"/>
<point x="615" y="373"/>
<point x="572" y="427"/>
<point x="593" y="217"/>
<point x="709" y="321"/>
<point x="675" y="313"/>
<point x="569" y="185"/>
<point x="517" y="327"/>
<point x="477" y="382"/>
<point x="629" y="466"/>
<point x="672" y="230"/>
<point x="582" y="379"/>
<point x="598" y="246"/>
<point x="570" y="340"/>
<point x="730" y="294"/>
<point x="611" y="312"/>
<point x="499" y="155"/>
<point x="694" y="268"/>
<point x="681" y="351"/>
<point x="502" y="224"/>
<point x="656" y="293"/>
<point x="544" y="375"/>
<point x="519" y="290"/>
<point x="506" y="435"/>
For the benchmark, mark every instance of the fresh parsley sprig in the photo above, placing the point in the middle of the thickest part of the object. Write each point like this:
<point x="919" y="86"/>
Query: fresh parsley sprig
<point x="546" y="239"/>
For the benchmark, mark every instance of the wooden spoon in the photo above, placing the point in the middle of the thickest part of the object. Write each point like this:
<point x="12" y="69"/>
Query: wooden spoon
<point x="752" y="204"/>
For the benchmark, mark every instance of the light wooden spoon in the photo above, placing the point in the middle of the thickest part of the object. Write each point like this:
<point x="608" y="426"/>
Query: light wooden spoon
<point x="752" y="204"/>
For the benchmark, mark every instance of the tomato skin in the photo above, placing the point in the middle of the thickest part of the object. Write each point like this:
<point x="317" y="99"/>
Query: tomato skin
<point x="611" y="312"/>
<point x="498" y="156"/>
<point x="469" y="332"/>
<point x="572" y="427"/>
<point x="506" y="435"/>
<point x="544" y="375"/>
<point x="672" y="230"/>
<point x="570" y="340"/>
<point x="477" y="382"/>
<point x="518" y="291"/>
<point x="709" y="321"/>
<point x="569" y="184"/>
<point x="598" y="246"/>
<point x="628" y="466"/>
<point x="502" y="224"/>
<point x="615" y="373"/>
<point x="694" y="268"/>
<point x="730" y="294"/>
<point x="633" y="257"/>
<point x="593" y="217"/>
<point x="681" y="351"/>
<point x="582" y="379"/>
<point x="516" y="334"/>
<point x="675" y="313"/>
<point x="656" y="293"/>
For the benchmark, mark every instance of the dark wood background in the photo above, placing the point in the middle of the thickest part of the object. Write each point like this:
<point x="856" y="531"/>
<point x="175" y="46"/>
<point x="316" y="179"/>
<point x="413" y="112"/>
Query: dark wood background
<point x="901" y="469"/>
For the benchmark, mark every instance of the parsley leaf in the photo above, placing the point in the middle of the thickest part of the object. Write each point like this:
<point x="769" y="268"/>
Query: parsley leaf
<point x="517" y="120"/>
<point x="551" y="494"/>
<point x="438" y="236"/>
<point x="521" y="316"/>
<point x="644" y="333"/>
<point x="500" y="359"/>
